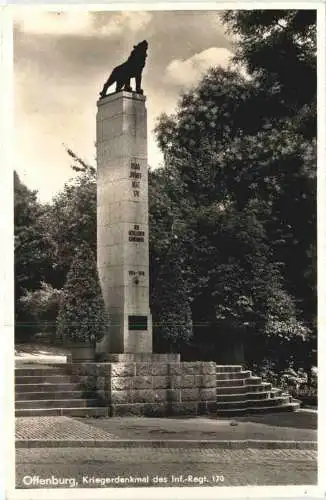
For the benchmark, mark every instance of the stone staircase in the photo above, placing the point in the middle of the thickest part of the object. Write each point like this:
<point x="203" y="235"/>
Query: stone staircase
<point x="52" y="390"/>
<point x="239" y="392"/>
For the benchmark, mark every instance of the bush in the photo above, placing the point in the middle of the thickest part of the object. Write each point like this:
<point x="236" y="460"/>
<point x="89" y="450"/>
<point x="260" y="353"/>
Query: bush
<point x="41" y="307"/>
<point x="82" y="317"/>
<point x="298" y="383"/>
<point x="25" y="326"/>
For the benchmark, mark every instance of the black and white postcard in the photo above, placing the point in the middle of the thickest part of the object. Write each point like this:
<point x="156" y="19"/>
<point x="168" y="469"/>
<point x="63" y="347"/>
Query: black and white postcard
<point x="162" y="312"/>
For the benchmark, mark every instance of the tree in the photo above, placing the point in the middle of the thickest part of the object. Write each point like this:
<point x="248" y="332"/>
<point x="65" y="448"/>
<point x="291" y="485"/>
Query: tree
<point x="171" y="307"/>
<point x="31" y="244"/>
<point x="242" y="185"/>
<point x="32" y="252"/>
<point x="170" y="300"/>
<point x="82" y="317"/>
<point x="279" y="49"/>
<point x="71" y="218"/>
<point x="42" y="307"/>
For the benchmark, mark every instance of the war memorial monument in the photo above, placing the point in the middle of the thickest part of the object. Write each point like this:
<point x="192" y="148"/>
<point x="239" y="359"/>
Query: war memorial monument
<point x="140" y="382"/>
<point x="127" y="378"/>
<point x="122" y="214"/>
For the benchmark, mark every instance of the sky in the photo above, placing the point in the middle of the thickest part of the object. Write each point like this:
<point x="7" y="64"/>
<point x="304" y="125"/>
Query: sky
<point x="61" y="61"/>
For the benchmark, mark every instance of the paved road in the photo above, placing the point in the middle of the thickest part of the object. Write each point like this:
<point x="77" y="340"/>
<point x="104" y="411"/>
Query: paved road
<point x="298" y="426"/>
<point x="301" y="419"/>
<point x="295" y="427"/>
<point x="95" y="467"/>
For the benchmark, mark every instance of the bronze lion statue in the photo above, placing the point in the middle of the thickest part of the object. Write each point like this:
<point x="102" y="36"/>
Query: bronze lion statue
<point x="132" y="68"/>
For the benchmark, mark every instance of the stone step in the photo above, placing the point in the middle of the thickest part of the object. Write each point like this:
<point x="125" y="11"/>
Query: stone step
<point x="293" y="406"/>
<point x="34" y="365"/>
<point x="96" y="411"/>
<point x="55" y="403"/>
<point x="245" y="403"/>
<point x="275" y="392"/>
<point x="233" y="375"/>
<point x="247" y="396"/>
<point x="43" y="379"/>
<point x="36" y="371"/>
<point x="55" y="394"/>
<point x="254" y="380"/>
<point x="230" y="383"/>
<point x="228" y="368"/>
<point x="238" y="381"/>
<point x="243" y="388"/>
<point x="51" y="388"/>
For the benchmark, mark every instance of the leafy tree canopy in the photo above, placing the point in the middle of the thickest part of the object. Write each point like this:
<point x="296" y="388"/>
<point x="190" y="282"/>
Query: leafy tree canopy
<point x="71" y="218"/>
<point x="240" y="179"/>
<point x="279" y="48"/>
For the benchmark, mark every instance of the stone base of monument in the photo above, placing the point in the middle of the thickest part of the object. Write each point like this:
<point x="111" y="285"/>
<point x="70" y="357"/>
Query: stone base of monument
<point x="80" y="353"/>
<point x="151" y="388"/>
<point x="141" y="357"/>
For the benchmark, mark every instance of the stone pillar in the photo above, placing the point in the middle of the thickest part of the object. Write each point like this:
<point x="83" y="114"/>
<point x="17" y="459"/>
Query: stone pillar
<point x="122" y="221"/>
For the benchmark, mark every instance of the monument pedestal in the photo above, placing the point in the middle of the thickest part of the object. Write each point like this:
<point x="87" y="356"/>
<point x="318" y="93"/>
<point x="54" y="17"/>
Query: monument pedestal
<point x="151" y="388"/>
<point x="141" y="357"/>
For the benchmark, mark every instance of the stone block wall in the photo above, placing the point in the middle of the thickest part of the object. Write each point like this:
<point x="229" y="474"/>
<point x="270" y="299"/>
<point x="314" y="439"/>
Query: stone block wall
<point x="151" y="388"/>
<point x="93" y="379"/>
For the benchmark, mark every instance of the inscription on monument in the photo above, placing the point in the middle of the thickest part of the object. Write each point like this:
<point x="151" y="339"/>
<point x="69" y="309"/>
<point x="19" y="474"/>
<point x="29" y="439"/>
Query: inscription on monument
<point x="136" y="235"/>
<point x="135" y="176"/>
<point x="137" y="323"/>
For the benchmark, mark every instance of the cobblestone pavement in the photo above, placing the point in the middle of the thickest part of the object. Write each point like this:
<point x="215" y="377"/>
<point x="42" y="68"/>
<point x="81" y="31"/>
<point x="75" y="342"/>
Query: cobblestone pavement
<point x="96" y="467"/>
<point x="58" y="428"/>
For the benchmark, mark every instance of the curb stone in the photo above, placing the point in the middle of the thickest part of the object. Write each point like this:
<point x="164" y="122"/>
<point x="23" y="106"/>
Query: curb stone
<point x="173" y="443"/>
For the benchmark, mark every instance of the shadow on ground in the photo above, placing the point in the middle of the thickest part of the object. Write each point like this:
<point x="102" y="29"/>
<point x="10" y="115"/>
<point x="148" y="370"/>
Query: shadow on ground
<point x="297" y="420"/>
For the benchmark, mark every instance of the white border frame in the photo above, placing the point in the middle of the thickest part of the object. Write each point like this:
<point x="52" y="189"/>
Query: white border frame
<point x="6" y="261"/>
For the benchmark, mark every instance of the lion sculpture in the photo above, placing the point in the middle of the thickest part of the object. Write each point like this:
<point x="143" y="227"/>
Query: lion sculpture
<point x="132" y="68"/>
